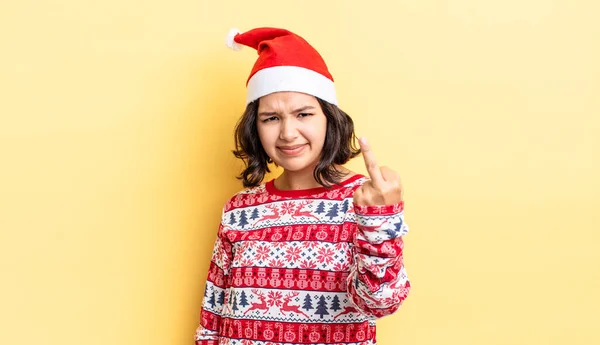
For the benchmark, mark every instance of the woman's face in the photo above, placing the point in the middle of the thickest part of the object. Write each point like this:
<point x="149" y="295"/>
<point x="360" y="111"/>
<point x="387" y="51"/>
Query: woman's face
<point x="292" y="128"/>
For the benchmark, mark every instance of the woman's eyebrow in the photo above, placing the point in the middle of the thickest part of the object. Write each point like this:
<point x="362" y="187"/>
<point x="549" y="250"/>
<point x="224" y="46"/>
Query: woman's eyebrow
<point x="304" y="108"/>
<point x="268" y="113"/>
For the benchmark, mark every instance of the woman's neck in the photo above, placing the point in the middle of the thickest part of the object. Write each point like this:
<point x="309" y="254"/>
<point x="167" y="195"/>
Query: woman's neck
<point x="291" y="180"/>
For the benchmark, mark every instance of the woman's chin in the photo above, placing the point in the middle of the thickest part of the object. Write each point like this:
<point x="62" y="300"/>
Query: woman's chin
<point x="295" y="167"/>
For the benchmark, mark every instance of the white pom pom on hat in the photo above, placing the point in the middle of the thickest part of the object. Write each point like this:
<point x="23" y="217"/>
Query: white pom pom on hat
<point x="286" y="62"/>
<point x="230" y="39"/>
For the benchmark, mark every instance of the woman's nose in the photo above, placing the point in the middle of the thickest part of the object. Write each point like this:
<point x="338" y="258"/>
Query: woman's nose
<point x="288" y="130"/>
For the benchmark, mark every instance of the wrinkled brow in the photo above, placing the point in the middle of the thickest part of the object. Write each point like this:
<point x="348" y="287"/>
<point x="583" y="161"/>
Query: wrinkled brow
<point x="299" y="110"/>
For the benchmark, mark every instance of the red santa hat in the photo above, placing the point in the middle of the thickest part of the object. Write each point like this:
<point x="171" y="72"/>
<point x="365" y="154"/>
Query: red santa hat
<point x="286" y="62"/>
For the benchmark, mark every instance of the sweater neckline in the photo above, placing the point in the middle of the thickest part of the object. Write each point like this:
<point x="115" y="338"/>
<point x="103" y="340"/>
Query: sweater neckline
<point x="271" y="189"/>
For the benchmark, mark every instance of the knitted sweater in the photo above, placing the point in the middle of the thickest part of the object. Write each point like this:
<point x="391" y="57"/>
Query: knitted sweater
<point x="303" y="267"/>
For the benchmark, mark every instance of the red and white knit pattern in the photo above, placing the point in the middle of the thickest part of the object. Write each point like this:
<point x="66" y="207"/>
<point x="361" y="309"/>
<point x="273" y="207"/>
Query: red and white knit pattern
<point x="303" y="267"/>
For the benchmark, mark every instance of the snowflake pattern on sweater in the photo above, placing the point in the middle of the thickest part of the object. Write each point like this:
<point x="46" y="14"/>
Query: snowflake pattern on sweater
<point x="303" y="267"/>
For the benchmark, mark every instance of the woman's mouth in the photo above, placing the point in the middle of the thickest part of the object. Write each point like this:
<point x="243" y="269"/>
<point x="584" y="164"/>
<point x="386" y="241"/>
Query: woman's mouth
<point x="292" y="150"/>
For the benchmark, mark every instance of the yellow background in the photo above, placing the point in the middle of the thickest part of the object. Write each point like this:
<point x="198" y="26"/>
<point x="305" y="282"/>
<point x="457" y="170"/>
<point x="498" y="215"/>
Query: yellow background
<point x="116" y="122"/>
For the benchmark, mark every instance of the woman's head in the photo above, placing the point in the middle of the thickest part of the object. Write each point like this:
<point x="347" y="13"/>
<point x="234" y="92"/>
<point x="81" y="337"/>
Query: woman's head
<point x="291" y="116"/>
<point x="296" y="131"/>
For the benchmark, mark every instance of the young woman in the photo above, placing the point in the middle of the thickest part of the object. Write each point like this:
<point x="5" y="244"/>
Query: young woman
<point x="315" y="255"/>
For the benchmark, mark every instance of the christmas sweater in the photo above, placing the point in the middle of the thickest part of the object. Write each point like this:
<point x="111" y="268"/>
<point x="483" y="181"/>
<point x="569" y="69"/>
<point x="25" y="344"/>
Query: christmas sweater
<point x="303" y="267"/>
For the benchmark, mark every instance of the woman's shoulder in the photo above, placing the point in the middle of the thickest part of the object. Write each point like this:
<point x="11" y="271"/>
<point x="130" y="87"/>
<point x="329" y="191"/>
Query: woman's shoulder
<point x="248" y="196"/>
<point x="250" y="192"/>
<point x="354" y="180"/>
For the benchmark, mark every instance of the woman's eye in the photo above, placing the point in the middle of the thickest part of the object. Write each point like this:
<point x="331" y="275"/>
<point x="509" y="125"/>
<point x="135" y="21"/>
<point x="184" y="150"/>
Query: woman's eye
<point x="304" y="114"/>
<point x="272" y="118"/>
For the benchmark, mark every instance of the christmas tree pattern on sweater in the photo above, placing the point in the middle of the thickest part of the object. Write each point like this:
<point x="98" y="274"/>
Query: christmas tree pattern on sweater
<point x="303" y="267"/>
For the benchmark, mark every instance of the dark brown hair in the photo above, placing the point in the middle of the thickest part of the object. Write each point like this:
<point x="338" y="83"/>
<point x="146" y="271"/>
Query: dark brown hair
<point x="339" y="146"/>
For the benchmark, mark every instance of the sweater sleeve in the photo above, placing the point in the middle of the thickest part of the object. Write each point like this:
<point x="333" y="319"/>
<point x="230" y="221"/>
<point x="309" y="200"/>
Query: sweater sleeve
<point x="215" y="297"/>
<point x="378" y="283"/>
